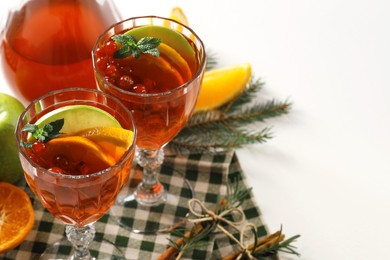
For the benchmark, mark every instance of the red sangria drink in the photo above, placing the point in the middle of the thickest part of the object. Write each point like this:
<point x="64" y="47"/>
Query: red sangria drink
<point x="76" y="149"/>
<point x="155" y="67"/>
<point x="46" y="44"/>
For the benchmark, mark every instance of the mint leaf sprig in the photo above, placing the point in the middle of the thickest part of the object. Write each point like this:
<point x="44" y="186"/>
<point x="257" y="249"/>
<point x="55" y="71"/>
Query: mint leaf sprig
<point x="146" y="45"/>
<point x="46" y="133"/>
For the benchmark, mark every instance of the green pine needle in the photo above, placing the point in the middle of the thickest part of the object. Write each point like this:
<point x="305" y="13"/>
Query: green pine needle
<point x="231" y="126"/>
<point x="211" y="62"/>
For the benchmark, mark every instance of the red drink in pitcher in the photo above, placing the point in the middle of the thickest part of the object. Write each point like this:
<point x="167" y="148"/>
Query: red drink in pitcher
<point x="47" y="45"/>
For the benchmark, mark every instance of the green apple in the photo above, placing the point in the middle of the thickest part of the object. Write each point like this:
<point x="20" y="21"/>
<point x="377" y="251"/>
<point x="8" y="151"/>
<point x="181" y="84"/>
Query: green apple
<point x="78" y="117"/>
<point x="169" y="37"/>
<point x="10" y="110"/>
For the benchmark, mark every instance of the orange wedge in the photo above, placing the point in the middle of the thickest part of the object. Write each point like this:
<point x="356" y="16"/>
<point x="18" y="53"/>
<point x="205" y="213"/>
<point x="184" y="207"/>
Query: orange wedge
<point x="113" y="140"/>
<point x="222" y="85"/>
<point x="16" y="216"/>
<point x="177" y="14"/>
<point x="78" y="149"/>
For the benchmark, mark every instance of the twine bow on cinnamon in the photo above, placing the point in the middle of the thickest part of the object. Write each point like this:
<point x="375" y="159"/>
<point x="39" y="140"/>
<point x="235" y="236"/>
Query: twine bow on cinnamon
<point x="209" y="215"/>
<point x="246" y="249"/>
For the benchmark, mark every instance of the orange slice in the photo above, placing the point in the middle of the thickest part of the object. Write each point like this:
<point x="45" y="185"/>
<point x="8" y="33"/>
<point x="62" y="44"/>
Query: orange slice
<point x="112" y="140"/>
<point x="176" y="59"/>
<point x="16" y="216"/>
<point x="147" y="65"/>
<point x="177" y="14"/>
<point x="222" y="85"/>
<point x="78" y="149"/>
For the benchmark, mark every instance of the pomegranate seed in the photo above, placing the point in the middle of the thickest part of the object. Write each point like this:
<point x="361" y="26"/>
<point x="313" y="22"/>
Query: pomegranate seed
<point x="38" y="147"/>
<point x="125" y="82"/>
<point x="139" y="88"/>
<point x="110" y="48"/>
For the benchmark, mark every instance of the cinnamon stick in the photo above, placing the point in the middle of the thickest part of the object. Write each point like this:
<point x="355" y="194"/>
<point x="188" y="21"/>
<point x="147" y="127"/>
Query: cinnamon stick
<point x="263" y="243"/>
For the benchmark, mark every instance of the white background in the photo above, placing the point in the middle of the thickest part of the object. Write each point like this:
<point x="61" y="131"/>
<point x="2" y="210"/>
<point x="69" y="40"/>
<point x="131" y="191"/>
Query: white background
<point x="326" y="173"/>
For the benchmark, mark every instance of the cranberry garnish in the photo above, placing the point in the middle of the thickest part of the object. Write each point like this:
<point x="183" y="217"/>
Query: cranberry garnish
<point x="126" y="70"/>
<point x="35" y="158"/>
<point x="101" y="63"/>
<point x="149" y="84"/>
<point x="125" y="82"/>
<point x="38" y="147"/>
<point x="100" y="52"/>
<point x="112" y="71"/>
<point x="139" y="88"/>
<point x="111" y="80"/>
<point x="110" y="48"/>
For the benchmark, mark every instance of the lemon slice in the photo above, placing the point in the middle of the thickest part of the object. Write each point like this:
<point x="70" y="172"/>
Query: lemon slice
<point x="222" y="85"/>
<point x="78" y="117"/>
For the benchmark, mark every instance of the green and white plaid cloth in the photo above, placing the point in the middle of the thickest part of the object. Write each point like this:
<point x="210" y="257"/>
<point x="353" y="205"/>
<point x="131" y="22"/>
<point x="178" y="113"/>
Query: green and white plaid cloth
<point x="208" y="175"/>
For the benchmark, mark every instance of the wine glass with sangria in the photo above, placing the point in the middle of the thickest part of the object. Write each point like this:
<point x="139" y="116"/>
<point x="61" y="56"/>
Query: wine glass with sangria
<point x="76" y="149"/>
<point x="155" y="66"/>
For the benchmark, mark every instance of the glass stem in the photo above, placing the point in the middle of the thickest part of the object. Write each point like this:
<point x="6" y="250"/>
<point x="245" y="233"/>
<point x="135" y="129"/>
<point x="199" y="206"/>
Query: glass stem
<point x="150" y="191"/>
<point x="80" y="239"/>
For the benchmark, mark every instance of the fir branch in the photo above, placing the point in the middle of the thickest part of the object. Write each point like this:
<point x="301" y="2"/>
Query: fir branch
<point x="245" y="116"/>
<point x="191" y="240"/>
<point x="211" y="62"/>
<point x="247" y="96"/>
<point x="267" y="246"/>
<point x="230" y="126"/>
<point x="237" y="193"/>
<point x="284" y="246"/>
<point x="258" y="112"/>
<point x="216" y="139"/>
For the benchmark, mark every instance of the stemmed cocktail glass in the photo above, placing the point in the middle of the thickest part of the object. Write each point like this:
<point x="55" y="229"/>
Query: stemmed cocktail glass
<point x="161" y="107"/>
<point x="79" y="198"/>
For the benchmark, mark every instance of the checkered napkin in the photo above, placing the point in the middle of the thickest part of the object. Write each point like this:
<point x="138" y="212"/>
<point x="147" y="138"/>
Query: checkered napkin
<point x="207" y="174"/>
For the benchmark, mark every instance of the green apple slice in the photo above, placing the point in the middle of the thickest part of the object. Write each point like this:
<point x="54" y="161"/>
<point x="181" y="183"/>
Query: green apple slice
<point x="169" y="37"/>
<point x="78" y="117"/>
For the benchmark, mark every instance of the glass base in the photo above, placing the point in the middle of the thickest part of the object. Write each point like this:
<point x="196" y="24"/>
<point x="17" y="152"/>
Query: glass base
<point x="99" y="249"/>
<point x="142" y="219"/>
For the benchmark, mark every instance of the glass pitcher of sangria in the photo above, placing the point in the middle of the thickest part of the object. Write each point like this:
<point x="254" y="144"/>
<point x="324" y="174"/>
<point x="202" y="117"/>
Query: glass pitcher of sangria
<point x="46" y="44"/>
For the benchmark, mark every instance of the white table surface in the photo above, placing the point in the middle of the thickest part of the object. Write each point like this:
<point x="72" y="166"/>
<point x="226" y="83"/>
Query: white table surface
<point x="326" y="173"/>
